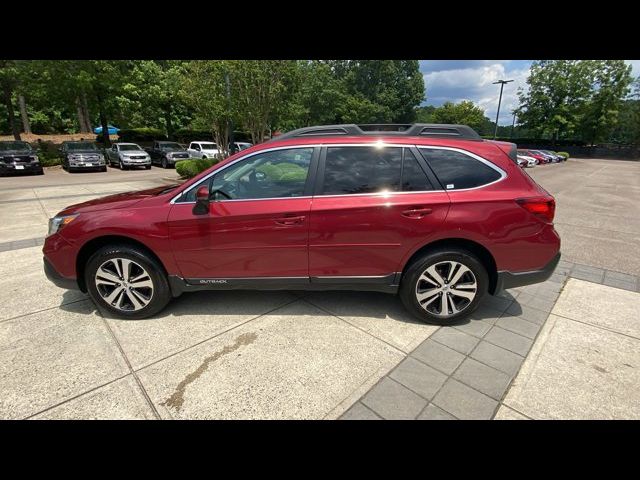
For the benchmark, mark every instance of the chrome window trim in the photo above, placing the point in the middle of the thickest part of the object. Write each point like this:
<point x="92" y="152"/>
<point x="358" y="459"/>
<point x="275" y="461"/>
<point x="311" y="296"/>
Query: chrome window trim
<point x="502" y="173"/>
<point x="288" y="147"/>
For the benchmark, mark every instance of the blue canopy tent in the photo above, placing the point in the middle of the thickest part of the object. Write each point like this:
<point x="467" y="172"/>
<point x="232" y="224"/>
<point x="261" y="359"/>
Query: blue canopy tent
<point x="112" y="130"/>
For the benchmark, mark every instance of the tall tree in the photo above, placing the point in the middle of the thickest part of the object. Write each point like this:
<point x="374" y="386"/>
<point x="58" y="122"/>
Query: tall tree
<point x="381" y="91"/>
<point x="610" y="84"/>
<point x="203" y="89"/>
<point x="262" y="92"/>
<point x="151" y="94"/>
<point x="465" y="113"/>
<point x="8" y="83"/>
<point x="557" y="92"/>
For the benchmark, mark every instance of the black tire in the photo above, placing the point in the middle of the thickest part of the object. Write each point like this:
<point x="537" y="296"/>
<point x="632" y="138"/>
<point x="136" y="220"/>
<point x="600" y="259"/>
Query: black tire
<point x="122" y="167"/>
<point x="412" y="275"/>
<point x="165" y="164"/>
<point x="204" y="157"/>
<point x="40" y="172"/>
<point x="103" y="169"/>
<point x="148" y="167"/>
<point x="161" y="292"/>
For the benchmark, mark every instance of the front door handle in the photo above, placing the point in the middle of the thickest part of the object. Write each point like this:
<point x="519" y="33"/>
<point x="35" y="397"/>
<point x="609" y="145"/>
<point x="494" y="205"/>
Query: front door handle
<point x="290" y="220"/>
<point x="416" y="212"/>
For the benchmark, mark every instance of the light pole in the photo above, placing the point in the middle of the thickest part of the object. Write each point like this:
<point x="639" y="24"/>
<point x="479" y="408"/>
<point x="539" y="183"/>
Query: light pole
<point x="501" y="82"/>
<point x="513" y="124"/>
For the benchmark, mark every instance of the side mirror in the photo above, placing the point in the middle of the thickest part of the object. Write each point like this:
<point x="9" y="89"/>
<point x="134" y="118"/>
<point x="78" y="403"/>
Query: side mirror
<point x="202" y="201"/>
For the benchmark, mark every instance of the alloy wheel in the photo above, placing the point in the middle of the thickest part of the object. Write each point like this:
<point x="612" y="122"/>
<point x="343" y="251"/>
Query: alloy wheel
<point x="446" y="288"/>
<point x="124" y="284"/>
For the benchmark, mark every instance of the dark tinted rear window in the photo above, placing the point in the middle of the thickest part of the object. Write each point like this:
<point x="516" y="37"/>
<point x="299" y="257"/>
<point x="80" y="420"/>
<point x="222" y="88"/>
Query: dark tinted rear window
<point x="362" y="170"/>
<point x="457" y="170"/>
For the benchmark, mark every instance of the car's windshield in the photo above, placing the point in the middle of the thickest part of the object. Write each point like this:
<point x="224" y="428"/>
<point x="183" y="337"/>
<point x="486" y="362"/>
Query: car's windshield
<point x="124" y="148"/>
<point x="82" y="146"/>
<point x="6" y="146"/>
<point x="208" y="146"/>
<point x="171" y="146"/>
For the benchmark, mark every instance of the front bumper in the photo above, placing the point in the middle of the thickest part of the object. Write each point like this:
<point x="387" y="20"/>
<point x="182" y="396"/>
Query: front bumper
<point x="57" y="279"/>
<point x="15" y="168"/>
<point x="520" y="279"/>
<point x="86" y="164"/>
<point x="136" y="163"/>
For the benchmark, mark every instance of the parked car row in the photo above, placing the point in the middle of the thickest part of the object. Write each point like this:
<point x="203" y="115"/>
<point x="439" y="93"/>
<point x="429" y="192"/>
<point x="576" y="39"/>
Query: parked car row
<point x="20" y="157"/>
<point x="530" y="158"/>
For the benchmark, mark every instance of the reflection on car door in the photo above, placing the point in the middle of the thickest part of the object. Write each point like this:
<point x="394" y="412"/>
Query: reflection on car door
<point x="371" y="208"/>
<point x="261" y="231"/>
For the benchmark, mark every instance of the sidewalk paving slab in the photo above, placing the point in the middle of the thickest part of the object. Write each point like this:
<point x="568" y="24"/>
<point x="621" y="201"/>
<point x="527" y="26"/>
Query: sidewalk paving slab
<point x="119" y="400"/>
<point x="296" y="362"/>
<point x="52" y="356"/>
<point x="579" y="371"/>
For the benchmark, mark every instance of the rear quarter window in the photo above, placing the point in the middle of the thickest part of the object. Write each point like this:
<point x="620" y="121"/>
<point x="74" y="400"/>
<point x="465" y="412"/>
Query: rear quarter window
<point x="457" y="170"/>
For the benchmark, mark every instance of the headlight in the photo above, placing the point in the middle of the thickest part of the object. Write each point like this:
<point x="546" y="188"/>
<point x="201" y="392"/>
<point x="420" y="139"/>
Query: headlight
<point x="34" y="158"/>
<point x="57" y="223"/>
<point x="169" y="155"/>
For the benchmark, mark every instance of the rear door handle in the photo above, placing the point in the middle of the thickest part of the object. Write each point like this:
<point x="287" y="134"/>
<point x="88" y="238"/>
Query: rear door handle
<point x="292" y="220"/>
<point x="416" y="212"/>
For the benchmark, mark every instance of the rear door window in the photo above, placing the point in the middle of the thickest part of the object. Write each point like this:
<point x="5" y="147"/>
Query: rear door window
<point x="354" y="170"/>
<point x="457" y="170"/>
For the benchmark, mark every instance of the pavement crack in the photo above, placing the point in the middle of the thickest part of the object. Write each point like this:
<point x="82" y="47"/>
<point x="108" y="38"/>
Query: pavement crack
<point x="176" y="400"/>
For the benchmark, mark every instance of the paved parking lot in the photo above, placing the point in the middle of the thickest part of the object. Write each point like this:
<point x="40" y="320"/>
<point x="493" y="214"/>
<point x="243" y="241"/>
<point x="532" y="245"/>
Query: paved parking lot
<point x="329" y="354"/>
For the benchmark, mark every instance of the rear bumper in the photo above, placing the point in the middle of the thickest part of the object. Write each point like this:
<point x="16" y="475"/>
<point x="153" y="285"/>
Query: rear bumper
<point x="57" y="279"/>
<point x="520" y="279"/>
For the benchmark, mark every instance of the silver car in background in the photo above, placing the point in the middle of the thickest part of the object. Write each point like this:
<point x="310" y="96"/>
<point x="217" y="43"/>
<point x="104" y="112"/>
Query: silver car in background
<point x="127" y="155"/>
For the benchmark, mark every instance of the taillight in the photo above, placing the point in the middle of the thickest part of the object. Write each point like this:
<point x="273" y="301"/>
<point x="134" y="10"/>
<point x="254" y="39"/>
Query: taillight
<point x="543" y="207"/>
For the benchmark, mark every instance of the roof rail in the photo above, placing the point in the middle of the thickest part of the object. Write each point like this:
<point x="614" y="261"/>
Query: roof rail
<point x="435" y="130"/>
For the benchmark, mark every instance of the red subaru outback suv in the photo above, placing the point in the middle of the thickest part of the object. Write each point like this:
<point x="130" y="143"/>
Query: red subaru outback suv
<point x="431" y="212"/>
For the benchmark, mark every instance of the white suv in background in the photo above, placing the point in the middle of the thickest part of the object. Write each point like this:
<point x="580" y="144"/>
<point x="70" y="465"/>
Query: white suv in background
<point x="202" y="150"/>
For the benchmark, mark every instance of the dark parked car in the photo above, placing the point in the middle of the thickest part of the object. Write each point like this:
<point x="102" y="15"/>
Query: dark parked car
<point x="82" y="156"/>
<point x="167" y="154"/>
<point x="433" y="213"/>
<point x="18" y="157"/>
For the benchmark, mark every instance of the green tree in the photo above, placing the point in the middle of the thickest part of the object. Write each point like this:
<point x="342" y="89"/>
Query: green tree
<point x="610" y="84"/>
<point x="203" y="89"/>
<point x="556" y="95"/>
<point x="8" y="83"/>
<point x="318" y="97"/>
<point x="380" y="91"/>
<point x="464" y="113"/>
<point x="263" y="93"/>
<point x="151" y="95"/>
<point x="425" y="114"/>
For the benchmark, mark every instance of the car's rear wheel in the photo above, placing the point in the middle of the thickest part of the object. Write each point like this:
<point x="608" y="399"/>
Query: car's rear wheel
<point x="127" y="282"/>
<point x="444" y="286"/>
<point x="165" y="164"/>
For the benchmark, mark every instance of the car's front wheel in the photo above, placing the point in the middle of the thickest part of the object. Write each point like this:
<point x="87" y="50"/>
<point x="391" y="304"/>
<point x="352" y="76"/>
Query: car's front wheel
<point x="127" y="282"/>
<point x="444" y="286"/>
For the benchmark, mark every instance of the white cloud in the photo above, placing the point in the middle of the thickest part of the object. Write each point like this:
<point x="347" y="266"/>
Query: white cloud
<point x="475" y="83"/>
<point x="635" y="64"/>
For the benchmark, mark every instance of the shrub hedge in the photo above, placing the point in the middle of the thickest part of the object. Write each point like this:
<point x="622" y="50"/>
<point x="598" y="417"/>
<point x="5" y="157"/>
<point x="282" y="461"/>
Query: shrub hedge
<point x="141" y="135"/>
<point x="191" y="168"/>
<point x="47" y="153"/>
<point x="563" y="154"/>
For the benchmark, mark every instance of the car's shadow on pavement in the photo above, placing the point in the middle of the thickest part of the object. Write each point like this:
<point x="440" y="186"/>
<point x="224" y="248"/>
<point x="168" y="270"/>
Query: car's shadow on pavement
<point x="252" y="303"/>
